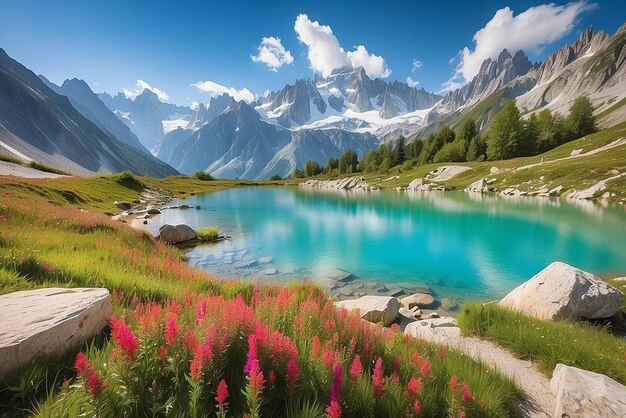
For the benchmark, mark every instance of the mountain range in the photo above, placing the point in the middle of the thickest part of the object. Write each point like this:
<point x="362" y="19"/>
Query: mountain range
<point x="312" y="119"/>
<point x="36" y="123"/>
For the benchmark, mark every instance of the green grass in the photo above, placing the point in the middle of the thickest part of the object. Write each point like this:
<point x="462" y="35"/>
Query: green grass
<point x="579" y="345"/>
<point x="11" y="159"/>
<point x="46" y="168"/>
<point x="208" y="234"/>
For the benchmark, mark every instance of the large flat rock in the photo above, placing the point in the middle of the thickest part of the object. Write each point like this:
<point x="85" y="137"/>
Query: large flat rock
<point x="584" y="394"/>
<point x="561" y="291"/>
<point x="373" y="308"/>
<point x="49" y="321"/>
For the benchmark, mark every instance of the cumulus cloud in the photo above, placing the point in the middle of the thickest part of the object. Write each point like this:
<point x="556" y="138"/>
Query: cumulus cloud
<point x="417" y="64"/>
<point x="272" y="53"/>
<point x="215" y="90"/>
<point x="140" y="86"/>
<point x="326" y="54"/>
<point x="411" y="82"/>
<point x="530" y="31"/>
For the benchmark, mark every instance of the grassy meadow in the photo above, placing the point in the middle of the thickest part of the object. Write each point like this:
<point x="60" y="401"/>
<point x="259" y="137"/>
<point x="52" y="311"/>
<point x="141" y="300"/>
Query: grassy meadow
<point x="184" y="343"/>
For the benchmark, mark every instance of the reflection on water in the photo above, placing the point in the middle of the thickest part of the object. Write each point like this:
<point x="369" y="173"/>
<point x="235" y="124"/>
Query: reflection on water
<point x="462" y="245"/>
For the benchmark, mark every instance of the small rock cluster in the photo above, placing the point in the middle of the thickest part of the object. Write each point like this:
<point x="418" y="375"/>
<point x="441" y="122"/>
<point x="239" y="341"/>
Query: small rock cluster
<point x="348" y="183"/>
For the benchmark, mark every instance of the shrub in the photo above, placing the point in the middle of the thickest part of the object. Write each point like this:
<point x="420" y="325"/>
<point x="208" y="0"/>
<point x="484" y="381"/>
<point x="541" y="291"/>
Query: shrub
<point x="209" y="233"/>
<point x="276" y="177"/>
<point x="46" y="168"/>
<point x="201" y="175"/>
<point x="127" y="179"/>
<point x="10" y="159"/>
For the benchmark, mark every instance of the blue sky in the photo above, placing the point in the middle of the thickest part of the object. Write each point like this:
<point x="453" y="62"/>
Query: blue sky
<point x="172" y="45"/>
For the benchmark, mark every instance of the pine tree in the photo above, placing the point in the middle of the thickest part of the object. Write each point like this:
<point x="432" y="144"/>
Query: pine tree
<point x="581" y="120"/>
<point x="505" y="133"/>
<point x="399" y="151"/>
<point x="468" y="130"/>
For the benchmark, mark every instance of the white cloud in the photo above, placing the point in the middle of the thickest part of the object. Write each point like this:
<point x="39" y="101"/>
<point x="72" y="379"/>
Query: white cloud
<point x="417" y="64"/>
<point x="215" y="90"/>
<point x="326" y="54"/>
<point x="140" y="87"/>
<point x="529" y="31"/>
<point x="272" y="53"/>
<point x="411" y="82"/>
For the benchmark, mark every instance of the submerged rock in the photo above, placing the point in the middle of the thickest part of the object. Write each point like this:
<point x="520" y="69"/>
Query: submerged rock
<point x="49" y="321"/>
<point x="421" y="300"/>
<point x="581" y="393"/>
<point x="373" y="308"/>
<point x="561" y="291"/>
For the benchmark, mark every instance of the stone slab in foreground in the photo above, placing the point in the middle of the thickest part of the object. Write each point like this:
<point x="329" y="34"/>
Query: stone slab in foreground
<point x="49" y="321"/>
<point x="373" y="308"/>
<point x="581" y="393"/>
<point x="561" y="291"/>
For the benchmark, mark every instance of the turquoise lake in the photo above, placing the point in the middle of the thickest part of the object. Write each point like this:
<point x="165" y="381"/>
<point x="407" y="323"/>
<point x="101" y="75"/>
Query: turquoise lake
<point x="463" y="246"/>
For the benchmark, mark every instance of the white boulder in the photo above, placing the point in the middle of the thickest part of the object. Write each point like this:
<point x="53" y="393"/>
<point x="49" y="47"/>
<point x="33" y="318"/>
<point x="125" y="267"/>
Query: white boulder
<point x="49" y="321"/>
<point x="561" y="291"/>
<point x="373" y="308"/>
<point x="585" y="394"/>
<point x="435" y="330"/>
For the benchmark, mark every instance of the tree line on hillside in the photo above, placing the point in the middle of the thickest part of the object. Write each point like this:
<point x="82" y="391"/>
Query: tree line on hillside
<point x="509" y="136"/>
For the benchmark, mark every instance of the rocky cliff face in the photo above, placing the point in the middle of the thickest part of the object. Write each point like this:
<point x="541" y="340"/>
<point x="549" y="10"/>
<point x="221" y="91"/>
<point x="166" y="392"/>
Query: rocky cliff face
<point x="90" y="106"/>
<point x="493" y="75"/>
<point x="43" y="125"/>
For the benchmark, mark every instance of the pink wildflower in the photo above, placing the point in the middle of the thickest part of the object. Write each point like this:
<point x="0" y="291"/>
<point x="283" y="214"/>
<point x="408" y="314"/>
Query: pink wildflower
<point x="356" y="370"/>
<point x="333" y="410"/>
<point x="222" y="394"/>
<point x="466" y="395"/>
<point x="417" y="407"/>
<point x="413" y="388"/>
<point x="171" y="329"/>
<point x="292" y="374"/>
<point x="123" y="335"/>
<point x="335" y="388"/>
<point x="426" y="369"/>
<point x="378" y="379"/>
<point x="95" y="384"/>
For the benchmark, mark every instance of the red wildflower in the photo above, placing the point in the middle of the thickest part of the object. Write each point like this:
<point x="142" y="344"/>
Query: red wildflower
<point x="81" y="364"/>
<point x="417" y="358"/>
<point x="335" y="388"/>
<point x="257" y="382"/>
<point x="162" y="352"/>
<point x="292" y="374"/>
<point x="201" y="358"/>
<point x="426" y="369"/>
<point x="333" y="410"/>
<point x="95" y="384"/>
<point x="190" y="342"/>
<point x="171" y="329"/>
<point x="453" y="384"/>
<point x="466" y="395"/>
<point x="413" y="388"/>
<point x="123" y="335"/>
<point x="47" y="266"/>
<point x="462" y="413"/>
<point x="442" y="351"/>
<point x="417" y="407"/>
<point x="272" y="377"/>
<point x="356" y="370"/>
<point x="252" y="353"/>
<point x="222" y="394"/>
<point x="378" y="379"/>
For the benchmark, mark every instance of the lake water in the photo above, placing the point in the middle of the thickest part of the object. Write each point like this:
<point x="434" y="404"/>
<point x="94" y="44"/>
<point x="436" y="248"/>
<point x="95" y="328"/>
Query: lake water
<point x="463" y="246"/>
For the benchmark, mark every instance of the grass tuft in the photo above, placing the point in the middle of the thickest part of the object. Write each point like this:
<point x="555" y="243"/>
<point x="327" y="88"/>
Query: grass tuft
<point x="575" y="344"/>
<point x="209" y="233"/>
<point x="202" y="176"/>
<point x="11" y="159"/>
<point x="47" y="168"/>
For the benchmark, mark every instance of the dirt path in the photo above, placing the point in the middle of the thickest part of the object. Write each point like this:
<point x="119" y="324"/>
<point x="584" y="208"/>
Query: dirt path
<point x="539" y="402"/>
<point x="10" y="169"/>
